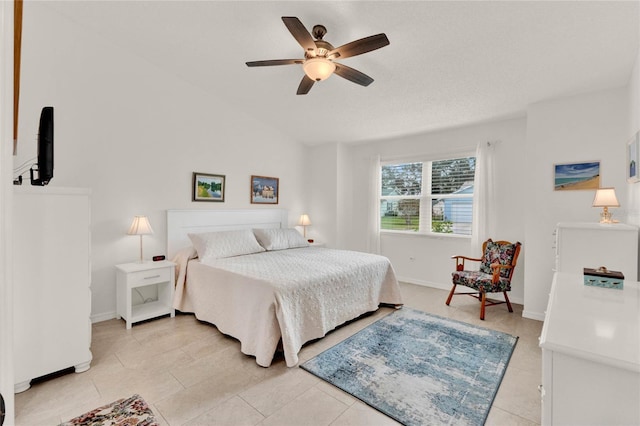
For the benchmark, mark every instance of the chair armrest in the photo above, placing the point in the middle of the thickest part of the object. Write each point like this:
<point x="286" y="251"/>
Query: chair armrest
<point x="460" y="261"/>
<point x="496" y="267"/>
<point x="467" y="258"/>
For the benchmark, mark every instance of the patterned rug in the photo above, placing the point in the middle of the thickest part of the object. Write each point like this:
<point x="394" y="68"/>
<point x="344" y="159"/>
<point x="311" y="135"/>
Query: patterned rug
<point x="419" y="368"/>
<point x="132" y="411"/>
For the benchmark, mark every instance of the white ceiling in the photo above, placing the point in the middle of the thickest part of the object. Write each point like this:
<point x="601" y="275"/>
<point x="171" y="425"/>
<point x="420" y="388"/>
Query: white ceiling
<point x="450" y="63"/>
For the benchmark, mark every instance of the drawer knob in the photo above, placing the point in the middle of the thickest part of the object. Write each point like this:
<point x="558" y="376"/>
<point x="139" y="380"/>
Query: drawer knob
<point x="152" y="277"/>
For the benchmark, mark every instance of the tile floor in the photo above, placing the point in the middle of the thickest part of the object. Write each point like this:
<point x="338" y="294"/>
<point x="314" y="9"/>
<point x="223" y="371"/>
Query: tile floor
<point x="191" y="374"/>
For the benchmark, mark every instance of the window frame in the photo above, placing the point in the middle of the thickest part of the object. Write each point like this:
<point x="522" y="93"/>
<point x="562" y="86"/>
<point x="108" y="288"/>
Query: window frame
<point x="426" y="196"/>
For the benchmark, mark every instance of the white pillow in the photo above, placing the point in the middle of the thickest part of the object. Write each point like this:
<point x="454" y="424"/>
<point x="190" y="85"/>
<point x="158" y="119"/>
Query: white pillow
<point x="218" y="245"/>
<point x="280" y="239"/>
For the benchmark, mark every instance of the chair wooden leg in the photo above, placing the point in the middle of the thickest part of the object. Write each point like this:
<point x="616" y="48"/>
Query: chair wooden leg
<point x="453" y="289"/>
<point x="508" y="302"/>
<point x="483" y="301"/>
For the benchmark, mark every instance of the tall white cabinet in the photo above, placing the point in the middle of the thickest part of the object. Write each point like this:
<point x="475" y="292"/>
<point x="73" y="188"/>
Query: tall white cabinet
<point x="52" y="276"/>
<point x="591" y="245"/>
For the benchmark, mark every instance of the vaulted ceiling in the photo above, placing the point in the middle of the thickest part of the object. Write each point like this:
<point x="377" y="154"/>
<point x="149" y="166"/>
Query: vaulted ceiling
<point x="450" y="63"/>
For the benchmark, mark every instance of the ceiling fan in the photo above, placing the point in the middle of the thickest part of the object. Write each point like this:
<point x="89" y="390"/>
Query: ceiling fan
<point x="319" y="55"/>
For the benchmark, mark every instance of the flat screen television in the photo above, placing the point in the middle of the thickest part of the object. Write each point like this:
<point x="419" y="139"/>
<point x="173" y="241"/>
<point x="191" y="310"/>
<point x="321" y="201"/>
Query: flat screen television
<point x="45" y="148"/>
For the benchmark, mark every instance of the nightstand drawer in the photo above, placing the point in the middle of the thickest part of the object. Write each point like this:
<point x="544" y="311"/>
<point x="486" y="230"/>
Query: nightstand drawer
<point x="153" y="276"/>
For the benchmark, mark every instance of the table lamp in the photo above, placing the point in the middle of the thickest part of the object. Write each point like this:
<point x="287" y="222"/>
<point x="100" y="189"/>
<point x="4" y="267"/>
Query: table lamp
<point x="304" y="222"/>
<point x="605" y="198"/>
<point x="140" y="226"/>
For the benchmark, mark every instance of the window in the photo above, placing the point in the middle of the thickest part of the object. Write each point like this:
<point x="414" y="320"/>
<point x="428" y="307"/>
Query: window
<point x="428" y="197"/>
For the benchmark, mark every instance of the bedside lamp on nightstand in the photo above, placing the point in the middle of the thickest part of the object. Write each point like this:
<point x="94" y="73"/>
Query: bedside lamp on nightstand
<point x="140" y="226"/>
<point x="304" y="222"/>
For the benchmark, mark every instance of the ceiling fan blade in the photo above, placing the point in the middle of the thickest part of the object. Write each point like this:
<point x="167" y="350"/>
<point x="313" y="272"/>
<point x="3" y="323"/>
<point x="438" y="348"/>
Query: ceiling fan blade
<point x="274" y="62"/>
<point x="353" y="75"/>
<point x="300" y="33"/>
<point x="361" y="46"/>
<point x="305" y="85"/>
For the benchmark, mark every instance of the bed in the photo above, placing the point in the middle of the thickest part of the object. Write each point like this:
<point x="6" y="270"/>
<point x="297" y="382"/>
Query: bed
<point x="274" y="288"/>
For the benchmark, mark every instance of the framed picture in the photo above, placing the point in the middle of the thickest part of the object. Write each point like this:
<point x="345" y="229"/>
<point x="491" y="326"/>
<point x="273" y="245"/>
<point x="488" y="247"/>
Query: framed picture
<point x="208" y="187"/>
<point x="573" y="176"/>
<point x="632" y="158"/>
<point x="264" y="190"/>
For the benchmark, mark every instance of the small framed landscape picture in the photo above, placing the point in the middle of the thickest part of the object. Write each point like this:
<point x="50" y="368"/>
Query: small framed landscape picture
<point x="573" y="176"/>
<point x="207" y="187"/>
<point x="264" y="190"/>
<point x="633" y="148"/>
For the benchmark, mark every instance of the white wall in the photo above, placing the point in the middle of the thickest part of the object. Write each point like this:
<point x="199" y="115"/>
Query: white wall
<point x="320" y="195"/>
<point x="588" y="127"/>
<point x="329" y="195"/>
<point x="633" y="100"/>
<point x="134" y="134"/>
<point x="427" y="260"/>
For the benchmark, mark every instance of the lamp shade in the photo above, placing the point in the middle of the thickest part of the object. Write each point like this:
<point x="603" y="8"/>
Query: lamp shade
<point x="318" y="69"/>
<point x="605" y="197"/>
<point x="304" y="220"/>
<point x="140" y="226"/>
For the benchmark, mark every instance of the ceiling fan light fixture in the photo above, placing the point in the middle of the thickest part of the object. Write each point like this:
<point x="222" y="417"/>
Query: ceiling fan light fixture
<point x="318" y="68"/>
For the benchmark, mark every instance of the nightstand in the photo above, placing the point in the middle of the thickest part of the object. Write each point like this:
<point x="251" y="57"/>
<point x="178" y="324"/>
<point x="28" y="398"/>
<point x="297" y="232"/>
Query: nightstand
<point x="157" y="278"/>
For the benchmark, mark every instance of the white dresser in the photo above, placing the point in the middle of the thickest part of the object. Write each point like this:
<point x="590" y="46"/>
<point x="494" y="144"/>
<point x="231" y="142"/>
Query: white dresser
<point x="52" y="275"/>
<point x="591" y="354"/>
<point x="591" y="245"/>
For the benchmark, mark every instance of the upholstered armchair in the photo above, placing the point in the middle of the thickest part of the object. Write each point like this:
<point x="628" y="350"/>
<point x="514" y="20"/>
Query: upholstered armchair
<point x="494" y="275"/>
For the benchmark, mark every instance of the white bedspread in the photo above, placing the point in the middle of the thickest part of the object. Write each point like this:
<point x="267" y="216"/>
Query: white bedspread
<point x="297" y="295"/>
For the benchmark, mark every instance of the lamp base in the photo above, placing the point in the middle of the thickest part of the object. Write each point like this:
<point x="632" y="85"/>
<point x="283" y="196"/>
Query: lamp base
<point x="605" y="216"/>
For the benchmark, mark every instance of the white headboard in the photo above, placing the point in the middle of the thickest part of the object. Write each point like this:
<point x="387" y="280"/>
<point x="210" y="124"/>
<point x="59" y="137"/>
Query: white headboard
<point x="180" y="223"/>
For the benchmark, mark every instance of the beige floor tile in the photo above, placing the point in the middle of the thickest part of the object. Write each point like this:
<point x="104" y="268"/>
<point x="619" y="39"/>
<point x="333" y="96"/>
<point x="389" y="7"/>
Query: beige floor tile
<point x="273" y="393"/>
<point x="499" y="417"/>
<point x="519" y="395"/>
<point x="224" y="360"/>
<point x="152" y="385"/>
<point x="234" y="411"/>
<point x="361" y="414"/>
<point x="54" y="398"/>
<point x="143" y="358"/>
<point x="336" y="392"/>
<point x="313" y="407"/>
<point x="156" y="413"/>
<point x="212" y="342"/>
<point x="189" y="403"/>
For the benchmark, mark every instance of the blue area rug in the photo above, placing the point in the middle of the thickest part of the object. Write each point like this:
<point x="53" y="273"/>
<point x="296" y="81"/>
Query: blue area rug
<point x="420" y="369"/>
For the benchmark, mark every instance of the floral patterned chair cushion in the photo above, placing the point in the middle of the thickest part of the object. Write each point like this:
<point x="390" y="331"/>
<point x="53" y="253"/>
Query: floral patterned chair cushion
<point x="480" y="281"/>
<point x="497" y="253"/>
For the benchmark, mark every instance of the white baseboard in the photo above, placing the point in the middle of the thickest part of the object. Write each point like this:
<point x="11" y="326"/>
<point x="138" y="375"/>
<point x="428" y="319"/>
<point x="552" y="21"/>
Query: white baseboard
<point x="106" y="316"/>
<point x="447" y="287"/>
<point x="425" y="283"/>
<point x="533" y="315"/>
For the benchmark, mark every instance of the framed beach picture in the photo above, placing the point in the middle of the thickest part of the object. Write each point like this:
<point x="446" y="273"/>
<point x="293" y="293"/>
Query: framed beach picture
<point x="632" y="158"/>
<point x="207" y="187"/>
<point x="264" y="190"/>
<point x="574" y="176"/>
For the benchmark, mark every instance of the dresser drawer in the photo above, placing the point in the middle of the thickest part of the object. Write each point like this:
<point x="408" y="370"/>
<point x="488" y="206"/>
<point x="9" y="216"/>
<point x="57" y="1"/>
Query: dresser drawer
<point x="153" y="276"/>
